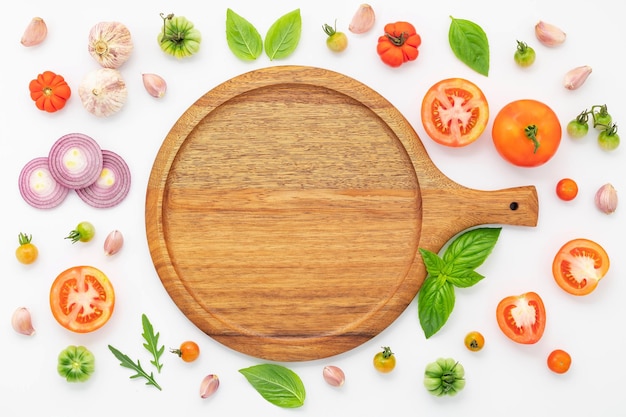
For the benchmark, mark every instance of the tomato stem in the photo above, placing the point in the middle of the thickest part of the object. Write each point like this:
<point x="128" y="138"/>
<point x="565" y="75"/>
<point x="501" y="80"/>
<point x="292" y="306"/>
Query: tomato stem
<point x="531" y="133"/>
<point x="330" y="31"/>
<point x="397" y="40"/>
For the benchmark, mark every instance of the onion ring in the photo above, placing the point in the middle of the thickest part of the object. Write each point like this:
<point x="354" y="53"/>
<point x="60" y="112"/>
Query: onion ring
<point x="112" y="185"/>
<point x="38" y="187"/>
<point x="75" y="160"/>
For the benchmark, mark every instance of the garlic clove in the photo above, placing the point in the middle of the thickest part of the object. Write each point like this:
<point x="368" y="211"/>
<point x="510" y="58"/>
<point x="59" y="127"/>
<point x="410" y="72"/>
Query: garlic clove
<point x="22" y="322"/>
<point x="110" y="44"/>
<point x="113" y="243"/>
<point x="35" y="32"/>
<point x="576" y="77"/>
<point x="333" y="375"/>
<point x="606" y="199"/>
<point x="363" y="20"/>
<point x="155" y="85"/>
<point x="103" y="92"/>
<point x="209" y="385"/>
<point x="549" y="34"/>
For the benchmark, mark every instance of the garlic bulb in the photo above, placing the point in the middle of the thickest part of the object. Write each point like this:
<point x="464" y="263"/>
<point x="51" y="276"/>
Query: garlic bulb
<point x="22" y="322"/>
<point x="110" y="44"/>
<point x="35" y="32"/>
<point x="103" y="92"/>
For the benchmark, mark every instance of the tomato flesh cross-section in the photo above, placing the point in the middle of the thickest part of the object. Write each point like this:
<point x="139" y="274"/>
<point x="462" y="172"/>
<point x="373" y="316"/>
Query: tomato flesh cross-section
<point x="579" y="266"/>
<point x="82" y="299"/>
<point x="455" y="112"/>
<point x="522" y="318"/>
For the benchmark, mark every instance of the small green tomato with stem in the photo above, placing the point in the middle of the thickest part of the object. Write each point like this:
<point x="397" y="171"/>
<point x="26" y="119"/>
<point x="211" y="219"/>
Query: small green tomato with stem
<point x="524" y="55"/>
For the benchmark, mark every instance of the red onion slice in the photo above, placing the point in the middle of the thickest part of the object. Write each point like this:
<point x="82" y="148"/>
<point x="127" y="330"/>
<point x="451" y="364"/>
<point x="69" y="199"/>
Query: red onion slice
<point x="37" y="186"/>
<point x="75" y="160"/>
<point x="112" y="185"/>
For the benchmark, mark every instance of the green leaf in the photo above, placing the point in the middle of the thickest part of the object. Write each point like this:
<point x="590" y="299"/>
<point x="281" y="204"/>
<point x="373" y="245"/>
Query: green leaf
<point x="127" y="362"/>
<point x="283" y="36"/>
<point x="242" y="37"/>
<point x="434" y="264"/>
<point x="470" y="249"/>
<point x="277" y="384"/>
<point x="152" y="342"/>
<point x="435" y="302"/>
<point x="470" y="44"/>
<point x="464" y="278"/>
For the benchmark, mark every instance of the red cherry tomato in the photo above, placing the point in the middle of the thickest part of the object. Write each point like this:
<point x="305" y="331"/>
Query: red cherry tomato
<point x="559" y="361"/>
<point x="567" y="189"/>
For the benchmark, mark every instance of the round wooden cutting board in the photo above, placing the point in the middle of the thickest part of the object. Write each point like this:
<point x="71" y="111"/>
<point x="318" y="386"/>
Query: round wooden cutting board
<point x="285" y="209"/>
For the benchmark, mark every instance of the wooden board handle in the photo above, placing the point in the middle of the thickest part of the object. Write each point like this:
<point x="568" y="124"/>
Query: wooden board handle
<point x="448" y="211"/>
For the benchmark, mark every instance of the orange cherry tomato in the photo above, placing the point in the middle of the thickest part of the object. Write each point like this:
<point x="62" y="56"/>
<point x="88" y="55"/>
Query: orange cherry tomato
<point x="567" y="189"/>
<point x="26" y="252"/>
<point x="579" y="266"/>
<point x="82" y="299"/>
<point x="188" y="351"/>
<point x="384" y="361"/>
<point x="474" y="341"/>
<point x="522" y="318"/>
<point x="455" y="112"/>
<point x="559" y="361"/>
<point x="526" y="133"/>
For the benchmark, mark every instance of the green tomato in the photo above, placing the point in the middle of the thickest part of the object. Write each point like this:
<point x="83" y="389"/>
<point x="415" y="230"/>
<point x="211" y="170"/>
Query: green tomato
<point x="608" y="139"/>
<point x="577" y="129"/>
<point x="601" y="117"/>
<point x="76" y="363"/>
<point x="84" y="232"/>
<point x="179" y="37"/>
<point x="336" y="41"/>
<point x="524" y="55"/>
<point x="445" y="376"/>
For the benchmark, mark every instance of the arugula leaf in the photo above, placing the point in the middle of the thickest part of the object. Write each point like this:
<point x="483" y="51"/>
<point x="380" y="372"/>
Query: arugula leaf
<point x="152" y="342"/>
<point x="469" y="43"/>
<point x="242" y="37"/>
<point x="283" y="36"/>
<point x="436" y="298"/>
<point x="127" y="362"/>
<point x="277" y="384"/>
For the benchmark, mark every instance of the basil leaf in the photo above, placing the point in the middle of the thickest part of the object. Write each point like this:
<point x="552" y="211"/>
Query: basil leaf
<point x="470" y="44"/>
<point x="470" y="249"/>
<point x="435" y="302"/>
<point x="277" y="384"/>
<point x="242" y="37"/>
<point x="434" y="264"/>
<point x="283" y="36"/>
<point x="464" y="278"/>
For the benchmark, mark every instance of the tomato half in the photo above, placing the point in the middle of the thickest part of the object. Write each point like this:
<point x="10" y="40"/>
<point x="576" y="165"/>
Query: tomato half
<point x="522" y="318"/>
<point x="526" y="133"/>
<point x="455" y="112"/>
<point x="579" y="265"/>
<point x="82" y="299"/>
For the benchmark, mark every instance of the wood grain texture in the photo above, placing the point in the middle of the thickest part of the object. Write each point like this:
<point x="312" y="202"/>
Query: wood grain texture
<point x="285" y="209"/>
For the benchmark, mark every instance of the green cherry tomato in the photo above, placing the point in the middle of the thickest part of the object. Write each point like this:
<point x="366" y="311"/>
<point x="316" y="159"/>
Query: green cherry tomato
<point x="385" y="361"/>
<point x="579" y="127"/>
<point x="76" y="363"/>
<point x="336" y="41"/>
<point x="608" y="139"/>
<point x="524" y="55"/>
<point x="84" y="232"/>
<point x="602" y="119"/>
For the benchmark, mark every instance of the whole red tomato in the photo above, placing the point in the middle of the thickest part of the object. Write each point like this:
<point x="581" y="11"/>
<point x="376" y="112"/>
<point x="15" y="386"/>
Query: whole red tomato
<point x="526" y="133"/>
<point x="399" y="44"/>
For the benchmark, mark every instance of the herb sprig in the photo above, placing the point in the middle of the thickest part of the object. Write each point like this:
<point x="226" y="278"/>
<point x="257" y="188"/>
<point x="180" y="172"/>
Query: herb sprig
<point x="456" y="268"/>
<point x="127" y="362"/>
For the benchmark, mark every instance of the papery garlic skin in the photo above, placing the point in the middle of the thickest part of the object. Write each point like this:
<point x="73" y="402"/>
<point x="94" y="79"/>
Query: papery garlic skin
<point x="606" y="199"/>
<point x="155" y="85"/>
<point x="209" y="385"/>
<point x="113" y="243"/>
<point x="363" y="20"/>
<point x="576" y="77"/>
<point x="35" y="33"/>
<point x="549" y="34"/>
<point x="110" y="43"/>
<point x="103" y="92"/>
<point x="333" y="375"/>
<point x="22" y="322"/>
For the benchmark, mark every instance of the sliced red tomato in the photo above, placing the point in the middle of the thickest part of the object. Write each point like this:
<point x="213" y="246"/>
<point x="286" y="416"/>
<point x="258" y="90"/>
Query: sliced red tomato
<point x="522" y="318"/>
<point x="82" y="299"/>
<point x="579" y="265"/>
<point x="455" y="112"/>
